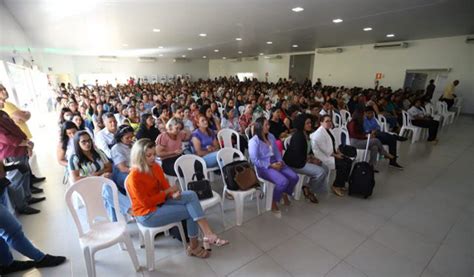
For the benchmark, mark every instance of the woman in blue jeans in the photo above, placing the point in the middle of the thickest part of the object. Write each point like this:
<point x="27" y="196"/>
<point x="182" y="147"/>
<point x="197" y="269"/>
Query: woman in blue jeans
<point x="205" y="142"/>
<point x="267" y="159"/>
<point x="11" y="235"/>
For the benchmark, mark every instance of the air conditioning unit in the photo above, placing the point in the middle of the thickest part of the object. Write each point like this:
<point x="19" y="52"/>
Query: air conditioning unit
<point x="237" y="60"/>
<point x="108" y="58"/>
<point x="470" y="40"/>
<point x="251" y="59"/>
<point x="277" y="57"/>
<point x="146" y="59"/>
<point x="390" y="45"/>
<point x="329" y="50"/>
<point x="181" y="60"/>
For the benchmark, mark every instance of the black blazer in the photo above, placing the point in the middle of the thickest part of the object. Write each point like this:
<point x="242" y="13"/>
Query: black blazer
<point x="296" y="154"/>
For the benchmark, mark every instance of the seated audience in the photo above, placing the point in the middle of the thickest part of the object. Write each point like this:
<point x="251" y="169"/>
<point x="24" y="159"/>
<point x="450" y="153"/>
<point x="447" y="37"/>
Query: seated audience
<point x="169" y="145"/>
<point x="104" y="139"/>
<point x="65" y="147"/>
<point x="147" y="128"/>
<point x="420" y="119"/>
<point x="297" y="156"/>
<point x="269" y="164"/>
<point x="155" y="203"/>
<point x="277" y="128"/>
<point x="204" y="142"/>
<point x="230" y="121"/>
<point x="133" y="119"/>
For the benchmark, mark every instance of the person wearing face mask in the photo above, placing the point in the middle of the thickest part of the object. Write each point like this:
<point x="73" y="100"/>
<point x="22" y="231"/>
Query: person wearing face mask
<point x="104" y="139"/>
<point x="169" y="145"/>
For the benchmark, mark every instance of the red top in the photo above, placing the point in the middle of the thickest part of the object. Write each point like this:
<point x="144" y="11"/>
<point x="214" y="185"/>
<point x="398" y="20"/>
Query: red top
<point x="354" y="131"/>
<point x="10" y="137"/>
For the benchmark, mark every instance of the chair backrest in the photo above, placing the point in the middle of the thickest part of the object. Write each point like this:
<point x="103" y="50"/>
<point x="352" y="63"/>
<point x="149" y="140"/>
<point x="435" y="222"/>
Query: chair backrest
<point x="225" y="137"/>
<point x="345" y="116"/>
<point x="219" y="104"/>
<point x="383" y="122"/>
<point x="442" y="107"/>
<point x="186" y="165"/>
<point x="336" y="119"/>
<point x="89" y="190"/>
<point x="248" y="132"/>
<point x="241" y="110"/>
<point x="338" y="136"/>
<point x="429" y="109"/>
<point x="226" y="156"/>
<point x="286" y="142"/>
<point x="406" y="119"/>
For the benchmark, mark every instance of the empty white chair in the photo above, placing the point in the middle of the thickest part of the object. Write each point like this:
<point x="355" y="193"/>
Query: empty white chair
<point x="226" y="156"/>
<point x="457" y="105"/>
<point x="186" y="164"/>
<point x="447" y="115"/>
<point x="101" y="233"/>
<point x="225" y="137"/>
<point x="148" y="235"/>
<point x="408" y="126"/>
<point x="383" y="123"/>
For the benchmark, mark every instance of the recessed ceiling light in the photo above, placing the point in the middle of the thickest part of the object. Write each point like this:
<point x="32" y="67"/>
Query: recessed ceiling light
<point x="390" y="35"/>
<point x="261" y="54"/>
<point x="216" y="50"/>
<point x="156" y="30"/>
<point x="238" y="39"/>
<point x="295" y="46"/>
<point x="160" y="47"/>
<point x="203" y="35"/>
<point x="269" y="42"/>
<point x="124" y="45"/>
<point x="160" y="55"/>
<point x="224" y="58"/>
<point x="184" y="56"/>
<point x="189" y="49"/>
<point x="297" y="9"/>
<point x="337" y="20"/>
<point x="240" y="52"/>
<point x="367" y="29"/>
<point x="204" y="57"/>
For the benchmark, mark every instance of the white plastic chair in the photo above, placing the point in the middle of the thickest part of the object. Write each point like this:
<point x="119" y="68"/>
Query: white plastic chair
<point x="268" y="188"/>
<point x="225" y="136"/>
<point x="101" y="233"/>
<point x="345" y="116"/>
<point x="383" y="123"/>
<point x="302" y="178"/>
<point x="148" y="235"/>
<point x="336" y="119"/>
<point x="186" y="164"/>
<point x="241" y="109"/>
<point x="408" y="126"/>
<point x="447" y="115"/>
<point x="248" y="132"/>
<point x="457" y="105"/>
<point x="224" y="157"/>
<point x="430" y="110"/>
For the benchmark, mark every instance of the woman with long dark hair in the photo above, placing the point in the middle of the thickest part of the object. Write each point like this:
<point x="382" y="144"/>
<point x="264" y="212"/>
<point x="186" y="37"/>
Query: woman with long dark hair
<point x="147" y="128"/>
<point x="204" y="142"/>
<point x="65" y="147"/>
<point x="270" y="166"/>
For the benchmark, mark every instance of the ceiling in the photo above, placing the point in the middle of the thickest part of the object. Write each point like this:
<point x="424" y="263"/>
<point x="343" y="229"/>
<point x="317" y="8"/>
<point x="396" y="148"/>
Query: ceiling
<point x="124" y="27"/>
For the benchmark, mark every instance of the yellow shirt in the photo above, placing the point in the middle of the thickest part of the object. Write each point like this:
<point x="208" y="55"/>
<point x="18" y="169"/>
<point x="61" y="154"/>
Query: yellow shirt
<point x="449" y="91"/>
<point x="10" y="109"/>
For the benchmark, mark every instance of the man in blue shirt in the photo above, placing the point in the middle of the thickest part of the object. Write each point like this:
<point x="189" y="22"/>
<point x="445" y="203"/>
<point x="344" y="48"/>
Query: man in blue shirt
<point x="371" y="126"/>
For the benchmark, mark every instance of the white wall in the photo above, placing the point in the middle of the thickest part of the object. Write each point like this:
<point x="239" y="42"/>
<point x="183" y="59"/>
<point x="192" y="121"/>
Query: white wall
<point x="276" y="68"/>
<point x="357" y="65"/>
<point x="12" y="36"/>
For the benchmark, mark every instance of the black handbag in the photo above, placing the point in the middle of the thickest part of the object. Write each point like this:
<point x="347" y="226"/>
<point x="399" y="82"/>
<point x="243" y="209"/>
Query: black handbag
<point x="348" y="151"/>
<point x="200" y="186"/>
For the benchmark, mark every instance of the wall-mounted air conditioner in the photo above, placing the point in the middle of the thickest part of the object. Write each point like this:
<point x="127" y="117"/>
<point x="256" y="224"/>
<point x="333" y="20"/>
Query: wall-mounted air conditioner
<point x="108" y="58"/>
<point x="390" y="45"/>
<point x="146" y="59"/>
<point x="470" y="40"/>
<point x="329" y="50"/>
<point x="181" y="60"/>
<point x="277" y="57"/>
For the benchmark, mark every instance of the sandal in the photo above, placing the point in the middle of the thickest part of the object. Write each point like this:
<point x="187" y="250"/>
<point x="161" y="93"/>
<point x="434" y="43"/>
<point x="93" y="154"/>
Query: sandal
<point x="213" y="239"/>
<point x="309" y="195"/>
<point x="198" y="252"/>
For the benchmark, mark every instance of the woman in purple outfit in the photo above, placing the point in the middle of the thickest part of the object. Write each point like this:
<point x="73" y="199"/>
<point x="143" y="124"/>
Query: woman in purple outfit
<point x="267" y="159"/>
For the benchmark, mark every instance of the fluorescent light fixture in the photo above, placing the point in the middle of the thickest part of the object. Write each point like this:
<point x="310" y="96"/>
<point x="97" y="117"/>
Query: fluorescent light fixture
<point x="269" y="42"/>
<point x="189" y="49"/>
<point x="390" y="35"/>
<point x="124" y="45"/>
<point x="184" y="56"/>
<point x="216" y="50"/>
<point x="203" y="35"/>
<point x="160" y="55"/>
<point x="156" y="30"/>
<point x="366" y="29"/>
<point x="240" y="52"/>
<point x="261" y="54"/>
<point x="238" y="39"/>
<point x="204" y="57"/>
<point x="337" y="20"/>
<point x="297" y="9"/>
<point x="160" y="47"/>
<point x="295" y="46"/>
<point x="224" y="58"/>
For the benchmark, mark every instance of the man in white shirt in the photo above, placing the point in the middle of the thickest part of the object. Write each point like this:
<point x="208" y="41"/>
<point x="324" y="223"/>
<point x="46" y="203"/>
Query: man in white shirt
<point x="104" y="139"/>
<point x="418" y="118"/>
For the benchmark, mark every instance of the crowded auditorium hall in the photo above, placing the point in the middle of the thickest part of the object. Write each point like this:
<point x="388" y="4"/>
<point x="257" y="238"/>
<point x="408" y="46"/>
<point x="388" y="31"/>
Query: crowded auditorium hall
<point x="254" y="138"/>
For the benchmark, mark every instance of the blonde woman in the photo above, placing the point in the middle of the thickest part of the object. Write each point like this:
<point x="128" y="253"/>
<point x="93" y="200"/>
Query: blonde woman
<point x="155" y="203"/>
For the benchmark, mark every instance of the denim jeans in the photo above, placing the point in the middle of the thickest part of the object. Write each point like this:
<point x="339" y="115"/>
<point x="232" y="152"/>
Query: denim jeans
<point x="124" y="202"/>
<point x="174" y="210"/>
<point x="19" y="190"/>
<point x="317" y="175"/>
<point x="211" y="159"/>
<point x="11" y="235"/>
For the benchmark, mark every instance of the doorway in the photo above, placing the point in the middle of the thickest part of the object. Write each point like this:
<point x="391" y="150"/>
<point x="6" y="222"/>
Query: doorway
<point x="301" y="67"/>
<point x="418" y="79"/>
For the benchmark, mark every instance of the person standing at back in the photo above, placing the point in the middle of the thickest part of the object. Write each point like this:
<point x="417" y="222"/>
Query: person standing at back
<point x="429" y="91"/>
<point x="448" y="94"/>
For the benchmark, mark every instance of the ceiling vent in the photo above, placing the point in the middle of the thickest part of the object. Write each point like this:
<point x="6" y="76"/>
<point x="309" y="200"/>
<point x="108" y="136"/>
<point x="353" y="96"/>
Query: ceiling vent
<point x="470" y="40"/>
<point x="181" y="60"/>
<point x="146" y="59"/>
<point x="329" y="50"/>
<point x="390" y="45"/>
<point x="108" y="58"/>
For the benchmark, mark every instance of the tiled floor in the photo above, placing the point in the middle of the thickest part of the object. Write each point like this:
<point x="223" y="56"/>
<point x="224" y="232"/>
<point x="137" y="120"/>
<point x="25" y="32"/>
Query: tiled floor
<point x="419" y="222"/>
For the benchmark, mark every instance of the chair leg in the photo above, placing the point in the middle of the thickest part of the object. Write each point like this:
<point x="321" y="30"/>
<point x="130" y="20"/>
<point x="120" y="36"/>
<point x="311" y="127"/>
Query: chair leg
<point x="90" y="263"/>
<point x="239" y="209"/>
<point x="268" y="195"/>
<point x="299" y="187"/>
<point x="183" y="237"/>
<point x="257" y="196"/>
<point x="131" y="251"/>
<point x="150" y="251"/>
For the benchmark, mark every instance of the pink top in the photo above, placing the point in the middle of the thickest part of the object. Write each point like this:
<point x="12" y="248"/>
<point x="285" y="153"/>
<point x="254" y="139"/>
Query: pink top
<point x="170" y="144"/>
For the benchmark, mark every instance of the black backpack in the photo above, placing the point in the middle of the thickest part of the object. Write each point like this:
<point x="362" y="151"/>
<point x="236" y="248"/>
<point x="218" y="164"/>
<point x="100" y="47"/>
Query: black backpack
<point x="362" y="180"/>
